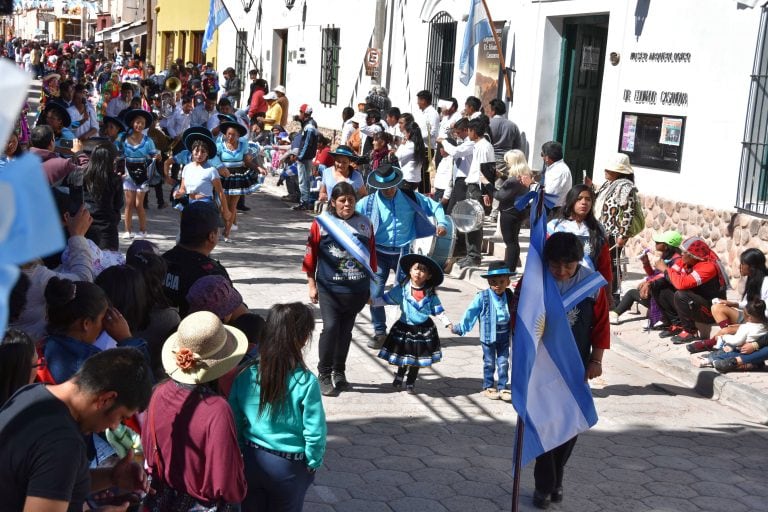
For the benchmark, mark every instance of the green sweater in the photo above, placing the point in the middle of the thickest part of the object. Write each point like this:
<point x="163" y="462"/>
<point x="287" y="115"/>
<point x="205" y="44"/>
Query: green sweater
<point x="299" y="428"/>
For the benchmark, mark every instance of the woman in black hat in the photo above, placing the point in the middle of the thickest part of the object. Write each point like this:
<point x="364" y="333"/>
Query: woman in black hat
<point x="200" y="180"/>
<point x="56" y="116"/>
<point x="413" y="342"/>
<point x="342" y="170"/>
<point x="238" y="176"/>
<point x="139" y="151"/>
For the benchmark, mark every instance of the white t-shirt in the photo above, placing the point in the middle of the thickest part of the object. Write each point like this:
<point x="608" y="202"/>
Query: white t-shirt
<point x="763" y="294"/>
<point x="405" y="155"/>
<point x="199" y="180"/>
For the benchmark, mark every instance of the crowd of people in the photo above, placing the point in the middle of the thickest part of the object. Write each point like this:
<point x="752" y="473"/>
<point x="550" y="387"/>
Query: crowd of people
<point x="139" y="343"/>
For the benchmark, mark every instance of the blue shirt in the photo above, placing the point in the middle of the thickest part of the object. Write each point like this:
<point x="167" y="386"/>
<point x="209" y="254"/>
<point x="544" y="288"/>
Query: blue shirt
<point x="329" y="180"/>
<point x="233" y="157"/>
<point x="413" y="312"/>
<point x="140" y="153"/>
<point x="394" y="220"/>
<point x="493" y="313"/>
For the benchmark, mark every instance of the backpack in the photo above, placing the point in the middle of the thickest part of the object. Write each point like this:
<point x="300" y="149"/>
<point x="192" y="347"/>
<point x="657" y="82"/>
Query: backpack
<point x="638" y="218"/>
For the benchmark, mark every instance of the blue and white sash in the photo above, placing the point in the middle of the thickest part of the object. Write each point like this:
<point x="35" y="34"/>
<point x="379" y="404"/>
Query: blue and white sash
<point x="344" y="235"/>
<point x="582" y="290"/>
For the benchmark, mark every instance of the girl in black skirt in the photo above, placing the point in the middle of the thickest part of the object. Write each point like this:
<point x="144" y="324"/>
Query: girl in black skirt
<point x="413" y="342"/>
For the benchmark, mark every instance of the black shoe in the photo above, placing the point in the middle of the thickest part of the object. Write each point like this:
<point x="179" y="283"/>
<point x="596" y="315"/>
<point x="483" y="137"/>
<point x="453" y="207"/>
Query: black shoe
<point x="469" y="262"/>
<point x="243" y="208"/>
<point x="326" y="385"/>
<point x="398" y="382"/>
<point x="557" y="496"/>
<point x="410" y="389"/>
<point x="300" y="207"/>
<point x="541" y="500"/>
<point x="340" y="382"/>
<point x="161" y="206"/>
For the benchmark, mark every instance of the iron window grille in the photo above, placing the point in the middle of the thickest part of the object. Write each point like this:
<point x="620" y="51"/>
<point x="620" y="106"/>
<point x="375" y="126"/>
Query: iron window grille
<point x="440" y="54"/>
<point x="241" y="50"/>
<point x="752" y="195"/>
<point x="329" y="66"/>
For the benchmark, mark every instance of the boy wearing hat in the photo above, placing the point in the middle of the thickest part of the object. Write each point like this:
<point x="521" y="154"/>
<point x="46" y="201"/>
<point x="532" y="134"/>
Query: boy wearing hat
<point x="491" y="307"/>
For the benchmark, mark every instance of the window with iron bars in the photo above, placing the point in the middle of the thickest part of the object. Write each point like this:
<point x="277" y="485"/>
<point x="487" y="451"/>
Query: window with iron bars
<point x="438" y="78"/>
<point x="241" y="51"/>
<point x="329" y="66"/>
<point x="752" y="195"/>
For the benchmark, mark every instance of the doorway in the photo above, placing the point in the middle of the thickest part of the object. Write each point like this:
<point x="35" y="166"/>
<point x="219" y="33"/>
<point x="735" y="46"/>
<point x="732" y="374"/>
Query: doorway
<point x="581" y="79"/>
<point x="280" y="61"/>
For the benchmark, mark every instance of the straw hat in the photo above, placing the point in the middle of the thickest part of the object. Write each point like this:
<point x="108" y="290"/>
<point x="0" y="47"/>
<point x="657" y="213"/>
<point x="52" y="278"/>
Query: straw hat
<point x="202" y="349"/>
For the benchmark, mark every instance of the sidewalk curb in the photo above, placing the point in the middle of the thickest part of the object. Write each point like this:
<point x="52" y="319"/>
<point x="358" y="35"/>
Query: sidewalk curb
<point x="707" y="383"/>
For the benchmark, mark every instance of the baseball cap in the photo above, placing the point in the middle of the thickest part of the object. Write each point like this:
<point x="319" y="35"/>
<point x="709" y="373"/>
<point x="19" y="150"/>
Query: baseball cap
<point x="671" y="238"/>
<point x="198" y="219"/>
<point x="305" y="109"/>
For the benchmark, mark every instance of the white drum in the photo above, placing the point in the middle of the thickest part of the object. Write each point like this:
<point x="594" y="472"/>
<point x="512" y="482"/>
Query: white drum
<point x="439" y="248"/>
<point x="468" y="215"/>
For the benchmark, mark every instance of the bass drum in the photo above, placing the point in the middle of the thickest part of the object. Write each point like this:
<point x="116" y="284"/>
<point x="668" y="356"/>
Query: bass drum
<point x="439" y="248"/>
<point x="468" y="215"/>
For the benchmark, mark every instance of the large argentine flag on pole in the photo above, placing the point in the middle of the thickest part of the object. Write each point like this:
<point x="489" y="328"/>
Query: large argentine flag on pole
<point x="216" y="16"/>
<point x="477" y="29"/>
<point x="549" y="391"/>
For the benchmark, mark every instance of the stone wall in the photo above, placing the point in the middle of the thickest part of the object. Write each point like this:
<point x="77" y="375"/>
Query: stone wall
<point x="729" y="233"/>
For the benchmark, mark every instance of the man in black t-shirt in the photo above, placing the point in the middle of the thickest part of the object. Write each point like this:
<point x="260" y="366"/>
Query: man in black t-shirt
<point x="44" y="458"/>
<point x="189" y="260"/>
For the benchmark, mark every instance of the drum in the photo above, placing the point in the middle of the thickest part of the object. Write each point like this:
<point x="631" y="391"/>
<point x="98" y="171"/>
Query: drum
<point x="468" y="215"/>
<point x="439" y="248"/>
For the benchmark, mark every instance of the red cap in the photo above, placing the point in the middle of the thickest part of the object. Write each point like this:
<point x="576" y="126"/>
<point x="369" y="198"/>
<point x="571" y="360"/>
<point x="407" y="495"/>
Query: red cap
<point x="305" y="109"/>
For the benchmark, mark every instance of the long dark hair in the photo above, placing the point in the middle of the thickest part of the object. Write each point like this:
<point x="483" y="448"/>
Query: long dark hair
<point x="289" y="327"/>
<point x="99" y="176"/>
<point x="127" y="291"/>
<point x="414" y="135"/>
<point x="596" y="234"/>
<point x="755" y="260"/>
<point x="153" y="268"/>
<point x="69" y="301"/>
<point x="16" y="353"/>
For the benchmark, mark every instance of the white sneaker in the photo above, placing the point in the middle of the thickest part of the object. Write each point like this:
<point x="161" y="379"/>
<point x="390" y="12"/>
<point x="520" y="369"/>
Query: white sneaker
<point x="141" y="235"/>
<point x="613" y="318"/>
<point x="234" y="227"/>
<point x="127" y="235"/>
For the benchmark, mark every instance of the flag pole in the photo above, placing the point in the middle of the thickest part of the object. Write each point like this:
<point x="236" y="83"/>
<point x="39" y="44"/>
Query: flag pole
<point x="237" y="31"/>
<point x="518" y="463"/>
<point x="502" y="60"/>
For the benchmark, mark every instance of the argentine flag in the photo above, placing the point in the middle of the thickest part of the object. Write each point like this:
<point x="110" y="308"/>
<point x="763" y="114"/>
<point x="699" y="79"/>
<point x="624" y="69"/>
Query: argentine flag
<point x="477" y="29"/>
<point x="216" y="16"/>
<point x="549" y="391"/>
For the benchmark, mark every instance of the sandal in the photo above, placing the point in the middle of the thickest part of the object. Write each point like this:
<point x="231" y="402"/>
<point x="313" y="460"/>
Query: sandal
<point x="685" y="337"/>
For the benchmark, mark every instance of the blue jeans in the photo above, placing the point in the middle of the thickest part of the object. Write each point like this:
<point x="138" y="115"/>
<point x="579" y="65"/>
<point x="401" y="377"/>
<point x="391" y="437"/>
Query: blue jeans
<point x="385" y="263"/>
<point x="496" y="358"/>
<point x="275" y="484"/>
<point x="758" y="356"/>
<point x="305" y="179"/>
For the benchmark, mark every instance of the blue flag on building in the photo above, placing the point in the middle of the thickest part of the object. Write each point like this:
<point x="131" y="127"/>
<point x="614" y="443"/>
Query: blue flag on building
<point x="478" y="28"/>
<point x="216" y="16"/>
<point x="549" y="391"/>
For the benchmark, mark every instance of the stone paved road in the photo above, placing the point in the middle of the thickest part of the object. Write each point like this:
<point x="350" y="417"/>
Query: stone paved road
<point x="658" y="446"/>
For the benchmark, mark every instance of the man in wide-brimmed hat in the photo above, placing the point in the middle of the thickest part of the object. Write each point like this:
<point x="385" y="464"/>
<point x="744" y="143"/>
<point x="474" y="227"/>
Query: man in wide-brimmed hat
<point x="398" y="218"/>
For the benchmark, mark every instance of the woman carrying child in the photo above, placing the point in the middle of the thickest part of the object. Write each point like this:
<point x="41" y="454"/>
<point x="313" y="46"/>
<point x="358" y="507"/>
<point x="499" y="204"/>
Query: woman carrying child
<point x="340" y="261"/>
<point x="413" y="342"/>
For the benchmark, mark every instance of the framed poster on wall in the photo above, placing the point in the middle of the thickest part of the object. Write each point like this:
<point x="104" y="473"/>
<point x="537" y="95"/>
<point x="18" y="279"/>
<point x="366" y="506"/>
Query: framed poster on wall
<point x="652" y="140"/>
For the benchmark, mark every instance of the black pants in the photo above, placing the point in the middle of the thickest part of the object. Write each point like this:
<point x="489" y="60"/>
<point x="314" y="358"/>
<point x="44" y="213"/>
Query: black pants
<point x="158" y="195"/>
<point x="628" y="299"/>
<point x="615" y="266"/>
<point x="459" y="193"/>
<point x="550" y="466"/>
<point x="510" y="232"/>
<point x="692" y="308"/>
<point x="664" y="295"/>
<point x="338" y="311"/>
<point x="292" y="186"/>
<point x="475" y="238"/>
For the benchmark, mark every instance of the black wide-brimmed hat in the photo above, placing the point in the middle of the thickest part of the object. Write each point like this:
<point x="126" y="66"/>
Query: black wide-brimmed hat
<point x="196" y="129"/>
<point x="407" y="261"/>
<point x="226" y="125"/>
<point x="384" y="177"/>
<point x="117" y="122"/>
<point x="137" y="112"/>
<point x="60" y="109"/>
<point x="210" y="145"/>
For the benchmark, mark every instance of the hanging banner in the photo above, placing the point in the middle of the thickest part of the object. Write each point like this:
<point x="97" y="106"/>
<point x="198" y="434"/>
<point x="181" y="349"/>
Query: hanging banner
<point x="487" y="71"/>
